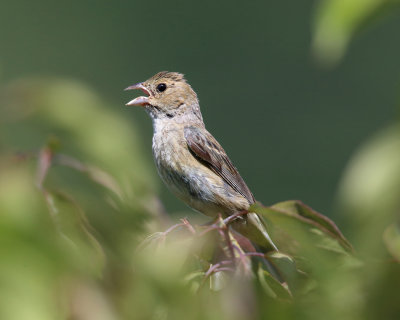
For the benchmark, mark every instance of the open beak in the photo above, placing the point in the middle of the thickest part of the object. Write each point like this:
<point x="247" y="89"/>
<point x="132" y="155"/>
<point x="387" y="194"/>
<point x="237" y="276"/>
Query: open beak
<point x="139" y="101"/>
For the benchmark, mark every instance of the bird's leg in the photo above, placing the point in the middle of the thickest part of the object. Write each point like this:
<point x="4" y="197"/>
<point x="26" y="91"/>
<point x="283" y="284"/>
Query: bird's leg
<point x="234" y="216"/>
<point x="220" y="223"/>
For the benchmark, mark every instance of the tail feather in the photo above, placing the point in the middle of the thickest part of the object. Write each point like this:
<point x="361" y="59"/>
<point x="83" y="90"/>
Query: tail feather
<point x="253" y="228"/>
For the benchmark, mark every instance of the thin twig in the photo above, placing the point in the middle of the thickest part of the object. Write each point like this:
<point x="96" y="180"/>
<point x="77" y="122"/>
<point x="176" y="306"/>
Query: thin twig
<point x="187" y="224"/>
<point x="212" y="269"/>
<point x="230" y="245"/>
<point x="224" y="269"/>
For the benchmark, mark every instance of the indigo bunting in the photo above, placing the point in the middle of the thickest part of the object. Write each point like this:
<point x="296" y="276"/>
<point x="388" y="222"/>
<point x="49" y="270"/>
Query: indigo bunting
<point x="190" y="160"/>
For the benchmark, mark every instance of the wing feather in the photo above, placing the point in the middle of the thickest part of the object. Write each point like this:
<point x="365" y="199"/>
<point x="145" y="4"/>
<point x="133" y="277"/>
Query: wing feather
<point x="210" y="153"/>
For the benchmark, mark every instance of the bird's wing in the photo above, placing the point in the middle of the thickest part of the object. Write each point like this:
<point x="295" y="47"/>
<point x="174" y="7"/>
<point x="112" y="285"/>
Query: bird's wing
<point x="209" y="152"/>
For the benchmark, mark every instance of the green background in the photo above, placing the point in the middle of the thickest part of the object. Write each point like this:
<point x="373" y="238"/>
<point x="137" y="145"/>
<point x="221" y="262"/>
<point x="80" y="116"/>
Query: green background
<point x="289" y="125"/>
<point x="304" y="97"/>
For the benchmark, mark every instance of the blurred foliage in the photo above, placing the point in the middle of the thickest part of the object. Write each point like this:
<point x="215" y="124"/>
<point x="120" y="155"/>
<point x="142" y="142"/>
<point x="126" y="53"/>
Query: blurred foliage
<point x="369" y="194"/>
<point x="336" y="22"/>
<point x="62" y="220"/>
<point x="80" y="223"/>
<point x="75" y="241"/>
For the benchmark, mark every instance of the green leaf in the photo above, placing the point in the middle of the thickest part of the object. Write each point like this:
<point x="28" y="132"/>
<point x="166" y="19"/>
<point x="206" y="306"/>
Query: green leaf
<point x="286" y="267"/>
<point x="294" y="215"/>
<point x="218" y="280"/>
<point x="271" y="286"/>
<point x="336" y="21"/>
<point x="391" y="238"/>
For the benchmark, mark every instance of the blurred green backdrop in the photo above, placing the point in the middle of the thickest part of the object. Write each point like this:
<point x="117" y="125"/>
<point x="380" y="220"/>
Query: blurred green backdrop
<point x="304" y="97"/>
<point x="289" y="125"/>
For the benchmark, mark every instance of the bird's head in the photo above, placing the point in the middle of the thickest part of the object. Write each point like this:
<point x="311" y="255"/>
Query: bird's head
<point x="167" y="95"/>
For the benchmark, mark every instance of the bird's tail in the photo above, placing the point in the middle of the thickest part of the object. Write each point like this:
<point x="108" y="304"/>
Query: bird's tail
<point x="253" y="228"/>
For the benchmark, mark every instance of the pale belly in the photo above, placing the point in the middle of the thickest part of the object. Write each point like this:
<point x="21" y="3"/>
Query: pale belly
<point x="191" y="181"/>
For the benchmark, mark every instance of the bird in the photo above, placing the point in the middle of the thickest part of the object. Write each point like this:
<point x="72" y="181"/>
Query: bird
<point x="191" y="162"/>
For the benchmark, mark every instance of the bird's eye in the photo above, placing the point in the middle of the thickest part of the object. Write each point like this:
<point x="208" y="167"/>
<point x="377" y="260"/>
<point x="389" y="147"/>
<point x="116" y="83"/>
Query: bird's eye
<point x="161" y="87"/>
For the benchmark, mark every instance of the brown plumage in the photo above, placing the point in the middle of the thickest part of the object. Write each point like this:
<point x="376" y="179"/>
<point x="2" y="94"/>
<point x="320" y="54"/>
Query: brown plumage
<point x="209" y="151"/>
<point x="189" y="159"/>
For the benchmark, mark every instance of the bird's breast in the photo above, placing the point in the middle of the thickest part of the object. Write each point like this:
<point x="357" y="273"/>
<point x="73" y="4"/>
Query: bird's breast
<point x="176" y="165"/>
<point x="191" y="181"/>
